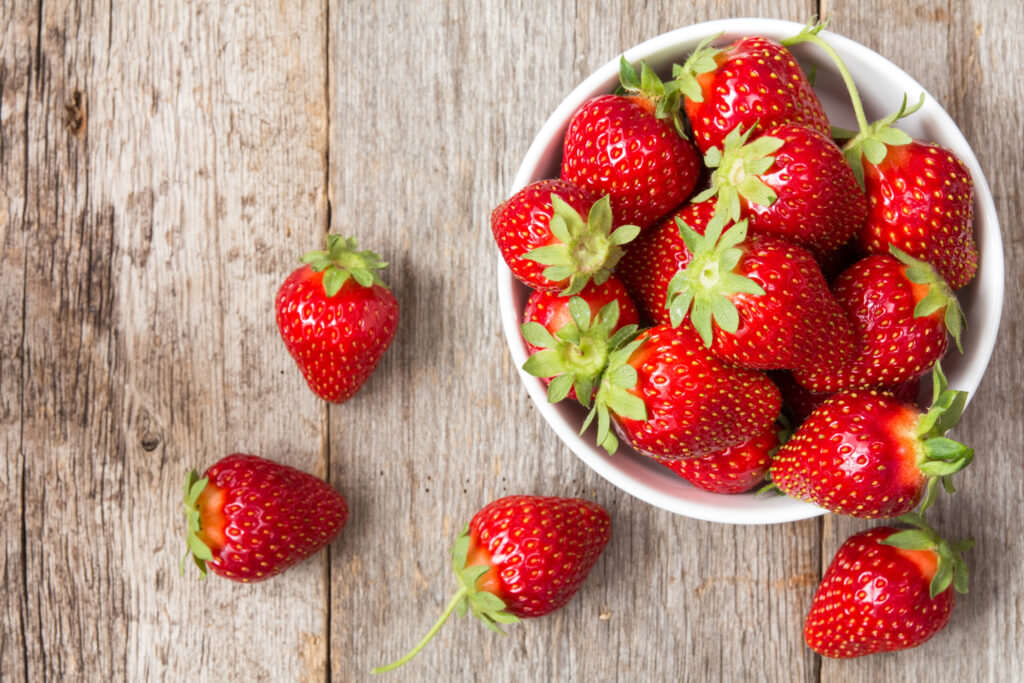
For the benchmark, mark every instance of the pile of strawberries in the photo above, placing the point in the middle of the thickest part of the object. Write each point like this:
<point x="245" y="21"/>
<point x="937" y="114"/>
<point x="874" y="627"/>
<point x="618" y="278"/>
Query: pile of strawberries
<point x="768" y="313"/>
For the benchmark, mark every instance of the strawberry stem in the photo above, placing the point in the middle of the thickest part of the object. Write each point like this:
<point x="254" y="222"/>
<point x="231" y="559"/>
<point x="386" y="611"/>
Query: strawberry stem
<point x="452" y="604"/>
<point x="809" y="34"/>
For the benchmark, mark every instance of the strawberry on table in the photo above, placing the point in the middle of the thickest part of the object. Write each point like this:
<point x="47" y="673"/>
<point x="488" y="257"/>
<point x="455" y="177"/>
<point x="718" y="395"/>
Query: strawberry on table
<point x="752" y="82"/>
<point x="886" y="589"/>
<point x="556" y="237"/>
<point x="522" y="557"/>
<point x="669" y="398"/>
<point x="569" y="338"/>
<point x="867" y="454"/>
<point x="631" y="148"/>
<point x="337" y="318"/>
<point x="737" y="469"/>
<point x="250" y="518"/>
<point x="903" y="313"/>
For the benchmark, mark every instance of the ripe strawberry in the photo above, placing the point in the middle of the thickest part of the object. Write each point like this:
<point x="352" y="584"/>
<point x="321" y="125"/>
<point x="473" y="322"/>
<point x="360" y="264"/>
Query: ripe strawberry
<point x="630" y="147"/>
<point x="569" y="338"/>
<point x="866" y="454"/>
<point x="671" y="399"/>
<point x="653" y="259"/>
<point x="250" y="518"/>
<point x="921" y="194"/>
<point x="337" y="318"/>
<point x="799" y="402"/>
<point x="733" y="470"/>
<point x="549" y="246"/>
<point x="753" y="82"/>
<point x="522" y="557"/>
<point x="790" y="181"/>
<point x="760" y="302"/>
<point x="887" y="589"/>
<point x="901" y="311"/>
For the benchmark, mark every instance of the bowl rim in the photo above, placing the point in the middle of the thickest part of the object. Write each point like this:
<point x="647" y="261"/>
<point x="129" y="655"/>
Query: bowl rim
<point x="701" y="504"/>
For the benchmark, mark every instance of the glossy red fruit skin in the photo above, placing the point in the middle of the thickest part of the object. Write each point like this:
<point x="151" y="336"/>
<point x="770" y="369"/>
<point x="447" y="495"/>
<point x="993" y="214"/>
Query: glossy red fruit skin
<point x="875" y="598"/>
<point x="521" y="224"/>
<point x="336" y="341"/>
<point x="895" y="347"/>
<point x="696" y="404"/>
<point x="540" y="549"/>
<point x="653" y="258"/>
<point x="799" y="402"/>
<point x="616" y="146"/>
<point x="757" y="82"/>
<point x="275" y="516"/>
<point x="819" y="204"/>
<point x="856" y="454"/>
<point x="734" y="470"/>
<point x="922" y="201"/>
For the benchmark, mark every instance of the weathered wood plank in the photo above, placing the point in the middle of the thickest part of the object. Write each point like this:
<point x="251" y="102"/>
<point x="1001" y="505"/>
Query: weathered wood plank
<point x="444" y="426"/>
<point x="157" y="229"/>
<point x="956" y="51"/>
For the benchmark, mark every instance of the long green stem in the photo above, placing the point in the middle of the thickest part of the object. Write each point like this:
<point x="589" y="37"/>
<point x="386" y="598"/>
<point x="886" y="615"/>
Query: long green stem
<point x="808" y="37"/>
<point x="461" y="593"/>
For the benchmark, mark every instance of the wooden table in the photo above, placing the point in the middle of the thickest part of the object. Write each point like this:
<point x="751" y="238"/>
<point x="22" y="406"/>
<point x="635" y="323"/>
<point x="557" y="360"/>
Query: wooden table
<point x="163" y="164"/>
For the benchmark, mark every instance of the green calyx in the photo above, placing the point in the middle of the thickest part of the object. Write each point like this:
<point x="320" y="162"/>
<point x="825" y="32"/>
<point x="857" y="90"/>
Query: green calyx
<point x="738" y="168"/>
<point x="939" y="297"/>
<point x="577" y="353"/>
<point x="586" y="250"/>
<point x="872" y="141"/>
<point x="704" y="289"/>
<point x="700" y="61"/>
<point x="614" y="395"/>
<point x="341" y="261"/>
<point x="951" y="567"/>
<point x="941" y="457"/>
<point x="666" y="97"/>
<point x="486" y="606"/>
<point x="200" y="552"/>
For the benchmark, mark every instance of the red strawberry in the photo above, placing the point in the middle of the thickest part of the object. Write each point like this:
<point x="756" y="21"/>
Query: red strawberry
<point x="630" y="148"/>
<point x="569" y="338"/>
<point x="653" y="259"/>
<point x="547" y="243"/>
<point x="789" y="181"/>
<point x="522" y="557"/>
<point x="733" y="470"/>
<point x="921" y="194"/>
<point x="887" y="589"/>
<point x="799" y="402"/>
<point x="902" y="311"/>
<point x="337" y="318"/>
<point x="752" y="82"/>
<point x="866" y="454"/>
<point x="671" y="399"/>
<point x="760" y="302"/>
<point x="250" y="518"/>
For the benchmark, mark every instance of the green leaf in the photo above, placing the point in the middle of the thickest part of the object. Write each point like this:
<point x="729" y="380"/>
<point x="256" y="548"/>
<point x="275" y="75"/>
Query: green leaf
<point x="488" y="602"/>
<point x="546" y="363"/>
<point x="584" y="387"/>
<point x="942" y="579"/>
<point x="550" y="255"/>
<point x="538" y="335"/>
<point x="560" y="229"/>
<point x="559" y="388"/>
<point x="627" y="75"/>
<point x="911" y="539"/>
<point x="198" y="548"/>
<point x="733" y="236"/>
<point x="623" y="376"/>
<point x="579" y="310"/>
<point x="753" y="190"/>
<point x="874" y="151"/>
<point x="600" y="217"/>
<point x="893" y="136"/>
<point x="740" y="284"/>
<point x="627" y="405"/>
<point x="853" y="157"/>
<point x="679" y="306"/>
<point x="930" y="303"/>
<point x="334" y="279"/>
<point x="505" y="618"/>
<point x="563" y="272"/>
<point x="460" y="549"/>
<point x="700" y="316"/>
<point x="649" y="81"/>
<point x="724" y="313"/>
<point x="195" y="488"/>
<point x="691" y="238"/>
<point x="624" y="234"/>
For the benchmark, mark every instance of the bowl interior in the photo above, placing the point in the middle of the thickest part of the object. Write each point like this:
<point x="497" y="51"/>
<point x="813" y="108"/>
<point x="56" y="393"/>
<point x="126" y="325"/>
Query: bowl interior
<point x="881" y="85"/>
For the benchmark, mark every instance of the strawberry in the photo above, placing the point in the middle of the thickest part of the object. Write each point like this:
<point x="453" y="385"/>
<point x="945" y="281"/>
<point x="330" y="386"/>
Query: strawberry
<point x="789" y="180"/>
<point x="522" y="557"/>
<point x="753" y="82"/>
<point x="903" y="313"/>
<point x="733" y="470"/>
<point x="569" y="338"/>
<point x="549" y="246"/>
<point x="630" y="147"/>
<point x="760" y="302"/>
<point x="798" y="402"/>
<point x="250" y="518"/>
<point x="866" y="454"/>
<point x="886" y="589"/>
<point x="671" y="399"/>
<point x="653" y="259"/>
<point x="920" y="194"/>
<point x="337" y="318"/>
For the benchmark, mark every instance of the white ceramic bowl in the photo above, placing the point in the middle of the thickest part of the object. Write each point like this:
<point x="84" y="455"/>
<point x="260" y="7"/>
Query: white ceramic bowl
<point x="881" y="85"/>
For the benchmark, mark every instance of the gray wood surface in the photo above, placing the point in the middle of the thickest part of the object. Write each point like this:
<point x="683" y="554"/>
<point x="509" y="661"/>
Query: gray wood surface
<point x="163" y="164"/>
